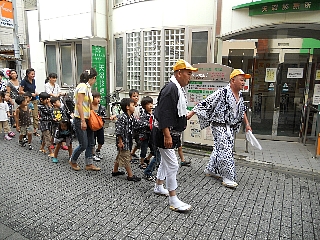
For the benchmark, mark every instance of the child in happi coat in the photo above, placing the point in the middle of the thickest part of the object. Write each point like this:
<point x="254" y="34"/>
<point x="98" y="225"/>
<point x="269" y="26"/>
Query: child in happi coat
<point x="124" y="127"/>
<point x="4" y="114"/>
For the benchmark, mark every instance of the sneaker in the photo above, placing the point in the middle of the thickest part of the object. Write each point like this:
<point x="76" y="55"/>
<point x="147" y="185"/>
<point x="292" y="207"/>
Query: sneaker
<point x="185" y="164"/>
<point x="54" y="160"/>
<point x="150" y="178"/>
<point x="64" y="147"/>
<point x="11" y="134"/>
<point x="96" y="158"/>
<point x="228" y="183"/>
<point x="211" y="174"/>
<point x="114" y="174"/>
<point x="134" y="178"/>
<point x="22" y="143"/>
<point x="6" y="137"/>
<point x="30" y="147"/>
<point x="98" y="154"/>
<point x="177" y="205"/>
<point x="159" y="190"/>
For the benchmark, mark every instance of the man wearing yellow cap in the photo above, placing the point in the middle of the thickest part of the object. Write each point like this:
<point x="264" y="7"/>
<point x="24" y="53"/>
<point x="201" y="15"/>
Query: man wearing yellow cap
<point x="224" y="111"/>
<point x="170" y="121"/>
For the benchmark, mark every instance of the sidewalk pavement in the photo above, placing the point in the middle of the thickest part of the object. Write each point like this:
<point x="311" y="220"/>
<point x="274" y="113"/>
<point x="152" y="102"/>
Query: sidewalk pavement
<point x="278" y="197"/>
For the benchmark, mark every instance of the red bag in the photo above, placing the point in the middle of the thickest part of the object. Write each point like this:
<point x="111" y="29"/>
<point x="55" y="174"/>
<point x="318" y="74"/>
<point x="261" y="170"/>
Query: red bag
<point x="95" y="121"/>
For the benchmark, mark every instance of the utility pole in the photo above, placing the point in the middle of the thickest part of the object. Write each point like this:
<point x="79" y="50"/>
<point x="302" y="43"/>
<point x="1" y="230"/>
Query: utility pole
<point x="16" y="39"/>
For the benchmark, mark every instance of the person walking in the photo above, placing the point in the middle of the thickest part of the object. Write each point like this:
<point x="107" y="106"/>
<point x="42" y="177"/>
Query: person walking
<point x="170" y="121"/>
<point x="28" y="84"/>
<point x="13" y="88"/>
<point x="83" y="99"/>
<point x="224" y="111"/>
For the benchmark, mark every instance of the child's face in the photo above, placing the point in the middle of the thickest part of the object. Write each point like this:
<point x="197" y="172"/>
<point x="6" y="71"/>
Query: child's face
<point x="149" y="107"/>
<point x="45" y="101"/>
<point x="131" y="108"/>
<point x="24" y="103"/>
<point x="7" y="97"/>
<point x="96" y="100"/>
<point x="63" y="126"/>
<point x="28" y="99"/>
<point x="135" y="98"/>
<point x="52" y="80"/>
<point x="57" y="104"/>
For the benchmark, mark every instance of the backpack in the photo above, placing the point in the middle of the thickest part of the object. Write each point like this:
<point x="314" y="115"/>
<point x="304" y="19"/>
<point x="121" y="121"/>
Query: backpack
<point x="95" y="121"/>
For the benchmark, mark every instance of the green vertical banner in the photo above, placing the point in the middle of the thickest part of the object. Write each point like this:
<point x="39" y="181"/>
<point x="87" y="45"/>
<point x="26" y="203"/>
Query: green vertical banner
<point x="99" y="63"/>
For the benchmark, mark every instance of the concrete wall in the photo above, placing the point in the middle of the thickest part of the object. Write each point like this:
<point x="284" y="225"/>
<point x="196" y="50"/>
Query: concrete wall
<point x="163" y="13"/>
<point x="37" y="59"/>
<point x="72" y="19"/>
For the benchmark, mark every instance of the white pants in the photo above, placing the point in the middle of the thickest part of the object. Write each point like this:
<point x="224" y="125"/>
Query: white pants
<point x="168" y="168"/>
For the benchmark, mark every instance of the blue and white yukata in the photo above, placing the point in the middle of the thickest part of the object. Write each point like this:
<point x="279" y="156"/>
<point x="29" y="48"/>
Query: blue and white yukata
<point x="224" y="114"/>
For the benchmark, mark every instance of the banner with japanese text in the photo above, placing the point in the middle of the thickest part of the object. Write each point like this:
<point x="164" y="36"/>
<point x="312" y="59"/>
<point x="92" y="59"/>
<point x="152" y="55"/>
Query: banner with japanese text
<point x="6" y="14"/>
<point x="99" y="63"/>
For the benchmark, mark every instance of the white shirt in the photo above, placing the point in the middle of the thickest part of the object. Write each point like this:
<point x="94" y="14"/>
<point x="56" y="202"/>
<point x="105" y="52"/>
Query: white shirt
<point x="4" y="109"/>
<point x="52" y="90"/>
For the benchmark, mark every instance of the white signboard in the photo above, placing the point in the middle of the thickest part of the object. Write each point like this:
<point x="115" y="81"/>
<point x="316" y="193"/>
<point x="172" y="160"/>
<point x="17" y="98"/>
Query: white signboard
<point x="271" y="75"/>
<point x="316" y="95"/>
<point x="295" y="73"/>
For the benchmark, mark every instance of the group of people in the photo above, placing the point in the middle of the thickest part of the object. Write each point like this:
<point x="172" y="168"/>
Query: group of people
<point x="159" y="130"/>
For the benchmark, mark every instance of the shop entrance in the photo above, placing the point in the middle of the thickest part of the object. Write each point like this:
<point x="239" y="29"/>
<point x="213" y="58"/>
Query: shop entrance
<point x="278" y="93"/>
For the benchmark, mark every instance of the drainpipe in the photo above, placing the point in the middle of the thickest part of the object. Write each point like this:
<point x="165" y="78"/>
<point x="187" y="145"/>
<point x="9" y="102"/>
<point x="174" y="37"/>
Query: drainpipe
<point x="16" y="39"/>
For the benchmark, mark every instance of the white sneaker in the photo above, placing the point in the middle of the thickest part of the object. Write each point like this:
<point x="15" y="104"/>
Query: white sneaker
<point x="177" y="205"/>
<point x="211" y="174"/>
<point x="96" y="158"/>
<point x="228" y="183"/>
<point x="158" y="189"/>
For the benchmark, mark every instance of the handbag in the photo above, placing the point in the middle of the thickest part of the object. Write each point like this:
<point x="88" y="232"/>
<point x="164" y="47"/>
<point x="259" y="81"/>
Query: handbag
<point x="95" y="121"/>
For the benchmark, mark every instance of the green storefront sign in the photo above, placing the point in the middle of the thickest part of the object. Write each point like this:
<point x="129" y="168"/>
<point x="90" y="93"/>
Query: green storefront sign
<point x="99" y="63"/>
<point x="271" y="7"/>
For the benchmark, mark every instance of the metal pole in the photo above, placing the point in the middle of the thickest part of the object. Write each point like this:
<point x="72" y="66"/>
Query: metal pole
<point x="306" y="123"/>
<point x="249" y="115"/>
<point x="16" y="39"/>
<point x="317" y="131"/>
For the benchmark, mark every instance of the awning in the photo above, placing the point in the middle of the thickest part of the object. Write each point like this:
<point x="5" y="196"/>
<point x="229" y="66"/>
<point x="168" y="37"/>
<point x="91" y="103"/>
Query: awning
<point x="8" y="57"/>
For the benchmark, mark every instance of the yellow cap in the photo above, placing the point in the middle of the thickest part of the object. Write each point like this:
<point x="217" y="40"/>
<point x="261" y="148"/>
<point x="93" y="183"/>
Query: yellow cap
<point x="182" y="64"/>
<point x="237" y="72"/>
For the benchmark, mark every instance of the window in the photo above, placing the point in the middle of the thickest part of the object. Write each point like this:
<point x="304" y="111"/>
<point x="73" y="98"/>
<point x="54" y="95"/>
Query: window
<point x="65" y="59"/>
<point x="152" y="60"/>
<point x="119" y="62"/>
<point x="66" y="66"/>
<point x="79" y="60"/>
<point x="174" y="49"/>
<point x="51" y="59"/>
<point x="199" y="47"/>
<point x="133" y="60"/>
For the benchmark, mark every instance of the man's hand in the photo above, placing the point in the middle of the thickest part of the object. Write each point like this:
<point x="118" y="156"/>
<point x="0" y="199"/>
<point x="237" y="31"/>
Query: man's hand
<point x="248" y="127"/>
<point x="190" y="114"/>
<point x="168" y="141"/>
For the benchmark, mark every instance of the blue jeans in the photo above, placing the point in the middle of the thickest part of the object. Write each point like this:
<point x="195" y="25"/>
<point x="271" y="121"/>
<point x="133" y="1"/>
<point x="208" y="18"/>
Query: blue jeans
<point x="154" y="162"/>
<point x="86" y="142"/>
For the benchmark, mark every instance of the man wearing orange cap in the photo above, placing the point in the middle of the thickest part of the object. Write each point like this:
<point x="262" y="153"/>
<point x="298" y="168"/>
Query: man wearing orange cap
<point x="224" y="111"/>
<point x="170" y="121"/>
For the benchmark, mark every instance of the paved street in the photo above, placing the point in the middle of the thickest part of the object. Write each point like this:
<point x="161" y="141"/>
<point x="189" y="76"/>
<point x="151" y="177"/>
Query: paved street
<point x="42" y="200"/>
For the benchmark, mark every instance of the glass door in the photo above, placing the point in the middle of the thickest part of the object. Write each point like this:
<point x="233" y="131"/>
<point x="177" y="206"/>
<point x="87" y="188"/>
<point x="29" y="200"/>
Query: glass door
<point x="264" y="92"/>
<point x="290" y="93"/>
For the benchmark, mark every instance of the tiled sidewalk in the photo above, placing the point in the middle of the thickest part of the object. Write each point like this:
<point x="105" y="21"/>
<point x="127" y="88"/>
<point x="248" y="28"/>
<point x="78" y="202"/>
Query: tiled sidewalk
<point x="42" y="200"/>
